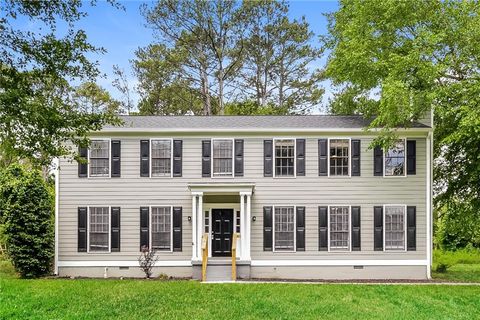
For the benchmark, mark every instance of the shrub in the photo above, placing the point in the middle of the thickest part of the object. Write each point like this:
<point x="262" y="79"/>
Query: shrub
<point x="446" y="259"/>
<point x="147" y="261"/>
<point x="26" y="209"/>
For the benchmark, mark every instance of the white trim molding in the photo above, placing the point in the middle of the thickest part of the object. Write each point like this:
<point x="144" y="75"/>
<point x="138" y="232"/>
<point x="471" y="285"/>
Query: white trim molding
<point x="57" y="211"/>
<point x="212" y="173"/>
<point x="150" y="157"/>
<point x="404" y="227"/>
<point x="109" y="158"/>
<point x="293" y="263"/>
<point x="294" y="158"/>
<point x="113" y="263"/>
<point x="404" y="160"/>
<point x="349" y="158"/>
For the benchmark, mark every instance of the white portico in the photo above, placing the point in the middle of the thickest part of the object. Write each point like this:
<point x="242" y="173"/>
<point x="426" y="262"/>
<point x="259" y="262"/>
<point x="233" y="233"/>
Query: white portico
<point x="220" y="209"/>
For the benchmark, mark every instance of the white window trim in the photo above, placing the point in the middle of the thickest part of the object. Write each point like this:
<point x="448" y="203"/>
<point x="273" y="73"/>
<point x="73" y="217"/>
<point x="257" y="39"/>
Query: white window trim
<point x="349" y="158"/>
<point x="349" y="228"/>
<point x="294" y="158"/>
<point x="212" y="175"/>
<point x="404" y="161"/>
<point x="294" y="230"/>
<point x="109" y="159"/>
<point x="209" y="207"/>
<point x="150" y="226"/>
<point x="404" y="227"/>
<point x="150" y="158"/>
<point x="109" y="230"/>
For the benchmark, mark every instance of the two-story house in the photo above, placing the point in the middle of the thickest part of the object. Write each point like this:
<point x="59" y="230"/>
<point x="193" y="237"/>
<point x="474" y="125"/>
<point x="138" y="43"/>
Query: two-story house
<point x="294" y="196"/>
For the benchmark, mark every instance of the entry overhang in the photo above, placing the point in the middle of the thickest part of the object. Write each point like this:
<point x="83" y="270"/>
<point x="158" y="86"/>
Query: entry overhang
<point x="245" y="188"/>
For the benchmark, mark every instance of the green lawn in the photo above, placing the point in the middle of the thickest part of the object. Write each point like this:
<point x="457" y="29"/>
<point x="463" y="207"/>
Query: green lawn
<point x="138" y="299"/>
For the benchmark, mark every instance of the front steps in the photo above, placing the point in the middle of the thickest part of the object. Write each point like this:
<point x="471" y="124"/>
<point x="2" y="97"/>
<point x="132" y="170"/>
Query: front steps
<point x="220" y="270"/>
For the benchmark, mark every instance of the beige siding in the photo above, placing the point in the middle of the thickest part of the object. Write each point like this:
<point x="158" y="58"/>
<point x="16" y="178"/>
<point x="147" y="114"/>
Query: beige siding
<point x="132" y="191"/>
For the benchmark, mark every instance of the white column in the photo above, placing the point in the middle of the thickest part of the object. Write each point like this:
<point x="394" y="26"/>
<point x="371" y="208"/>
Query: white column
<point x="248" y="228"/>
<point x="200" y="223"/>
<point x="194" y="227"/>
<point x="243" y="235"/>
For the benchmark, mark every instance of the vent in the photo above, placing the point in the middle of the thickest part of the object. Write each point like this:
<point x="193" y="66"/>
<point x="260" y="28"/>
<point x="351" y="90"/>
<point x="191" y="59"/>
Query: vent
<point x="358" y="267"/>
<point x="124" y="268"/>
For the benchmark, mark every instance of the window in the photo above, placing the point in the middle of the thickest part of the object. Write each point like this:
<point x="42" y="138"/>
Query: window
<point x="394" y="227"/>
<point x="339" y="154"/>
<point x="339" y="228"/>
<point x="284" y="222"/>
<point x="99" y="229"/>
<point x="99" y="158"/>
<point x="222" y="157"/>
<point x="237" y="222"/>
<point x="161" y="158"/>
<point x="285" y="158"/>
<point x="161" y="234"/>
<point x="207" y="221"/>
<point x="395" y="160"/>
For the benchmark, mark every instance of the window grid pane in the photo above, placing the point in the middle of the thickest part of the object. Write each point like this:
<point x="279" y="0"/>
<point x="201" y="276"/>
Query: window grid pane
<point x="99" y="158"/>
<point x="395" y="228"/>
<point x="339" y="228"/>
<point x="222" y="157"/>
<point x="161" y="158"/>
<point x="284" y="228"/>
<point x="161" y="228"/>
<point x="284" y="158"/>
<point x="395" y="160"/>
<point x="339" y="152"/>
<point x="99" y="229"/>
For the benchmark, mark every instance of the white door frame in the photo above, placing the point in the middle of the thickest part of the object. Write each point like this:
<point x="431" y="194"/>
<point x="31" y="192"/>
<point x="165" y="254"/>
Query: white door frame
<point x="208" y="207"/>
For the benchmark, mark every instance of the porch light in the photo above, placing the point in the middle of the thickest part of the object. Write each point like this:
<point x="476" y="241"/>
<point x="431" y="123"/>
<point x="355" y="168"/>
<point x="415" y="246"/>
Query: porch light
<point x="254" y="218"/>
<point x="189" y="218"/>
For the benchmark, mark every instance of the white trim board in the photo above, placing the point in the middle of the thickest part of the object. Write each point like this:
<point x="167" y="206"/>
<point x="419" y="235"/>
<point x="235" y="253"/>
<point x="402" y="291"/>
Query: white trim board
<point x="293" y="263"/>
<point x="113" y="263"/>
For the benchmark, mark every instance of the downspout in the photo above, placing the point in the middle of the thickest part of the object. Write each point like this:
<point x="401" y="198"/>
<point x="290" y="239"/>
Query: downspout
<point x="57" y="197"/>
<point x="429" y="216"/>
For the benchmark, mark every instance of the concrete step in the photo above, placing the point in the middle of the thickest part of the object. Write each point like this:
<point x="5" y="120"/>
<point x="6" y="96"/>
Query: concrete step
<point x="219" y="272"/>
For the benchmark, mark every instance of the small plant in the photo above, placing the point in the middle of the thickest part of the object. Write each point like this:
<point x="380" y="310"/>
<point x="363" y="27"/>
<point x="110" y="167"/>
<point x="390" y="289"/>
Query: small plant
<point x="147" y="261"/>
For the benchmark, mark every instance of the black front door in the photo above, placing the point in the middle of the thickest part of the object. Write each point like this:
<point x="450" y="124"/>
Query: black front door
<point x="222" y="229"/>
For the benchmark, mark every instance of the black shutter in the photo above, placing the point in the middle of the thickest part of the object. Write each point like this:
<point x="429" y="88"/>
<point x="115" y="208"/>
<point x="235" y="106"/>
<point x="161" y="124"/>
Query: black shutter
<point x="356" y="241"/>
<point x="322" y="157"/>
<point x="144" y="227"/>
<point x="177" y="228"/>
<point x="411" y="157"/>
<point x="411" y="228"/>
<point x="378" y="161"/>
<point x="300" y="228"/>
<point x="177" y="157"/>
<point x="206" y="161"/>
<point x="238" y="157"/>
<point x="267" y="229"/>
<point x="83" y="166"/>
<point x="116" y="151"/>
<point x="323" y="228"/>
<point x="82" y="229"/>
<point x="300" y="157"/>
<point x="115" y="229"/>
<point x="355" y="157"/>
<point x="268" y="158"/>
<point x="144" y="158"/>
<point x="378" y="228"/>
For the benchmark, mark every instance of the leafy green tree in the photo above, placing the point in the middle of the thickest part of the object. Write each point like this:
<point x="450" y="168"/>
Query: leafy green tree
<point x="397" y="59"/>
<point x="91" y="98"/>
<point x="37" y="109"/>
<point x="251" y="107"/>
<point x="26" y="211"/>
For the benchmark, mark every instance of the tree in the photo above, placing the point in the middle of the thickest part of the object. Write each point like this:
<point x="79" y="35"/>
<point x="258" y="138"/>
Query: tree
<point x="122" y="85"/>
<point x="279" y="58"/>
<point x="26" y="210"/>
<point x="92" y="98"/>
<point x="397" y="59"/>
<point x="37" y="110"/>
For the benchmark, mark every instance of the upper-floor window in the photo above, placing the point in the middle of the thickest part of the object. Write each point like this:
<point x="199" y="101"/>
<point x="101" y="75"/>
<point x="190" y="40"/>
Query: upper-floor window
<point x="284" y="157"/>
<point x="222" y="157"/>
<point x="395" y="160"/>
<point x="339" y="157"/>
<point x="395" y="225"/>
<point x="99" y="158"/>
<point x="284" y="227"/>
<point x="339" y="217"/>
<point x="161" y="158"/>
<point x="99" y="229"/>
<point x="161" y="231"/>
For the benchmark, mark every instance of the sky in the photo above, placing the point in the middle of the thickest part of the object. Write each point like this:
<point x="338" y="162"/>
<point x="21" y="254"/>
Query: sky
<point x="121" y="32"/>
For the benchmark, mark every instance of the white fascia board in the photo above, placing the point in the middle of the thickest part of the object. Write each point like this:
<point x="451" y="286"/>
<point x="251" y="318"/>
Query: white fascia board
<point x="293" y="263"/>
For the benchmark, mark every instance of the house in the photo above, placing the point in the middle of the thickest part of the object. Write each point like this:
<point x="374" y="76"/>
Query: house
<point x="296" y="197"/>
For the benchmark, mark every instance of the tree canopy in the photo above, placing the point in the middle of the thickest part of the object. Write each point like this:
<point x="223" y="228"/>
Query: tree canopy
<point x="397" y="59"/>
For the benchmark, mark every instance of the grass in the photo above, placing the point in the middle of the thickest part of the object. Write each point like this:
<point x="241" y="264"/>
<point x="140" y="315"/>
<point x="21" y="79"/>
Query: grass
<point x="460" y="273"/>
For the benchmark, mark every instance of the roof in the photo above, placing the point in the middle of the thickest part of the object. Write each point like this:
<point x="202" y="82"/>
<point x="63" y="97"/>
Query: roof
<point x="242" y="123"/>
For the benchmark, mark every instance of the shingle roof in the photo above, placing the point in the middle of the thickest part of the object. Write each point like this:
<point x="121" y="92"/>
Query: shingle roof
<point x="246" y="122"/>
